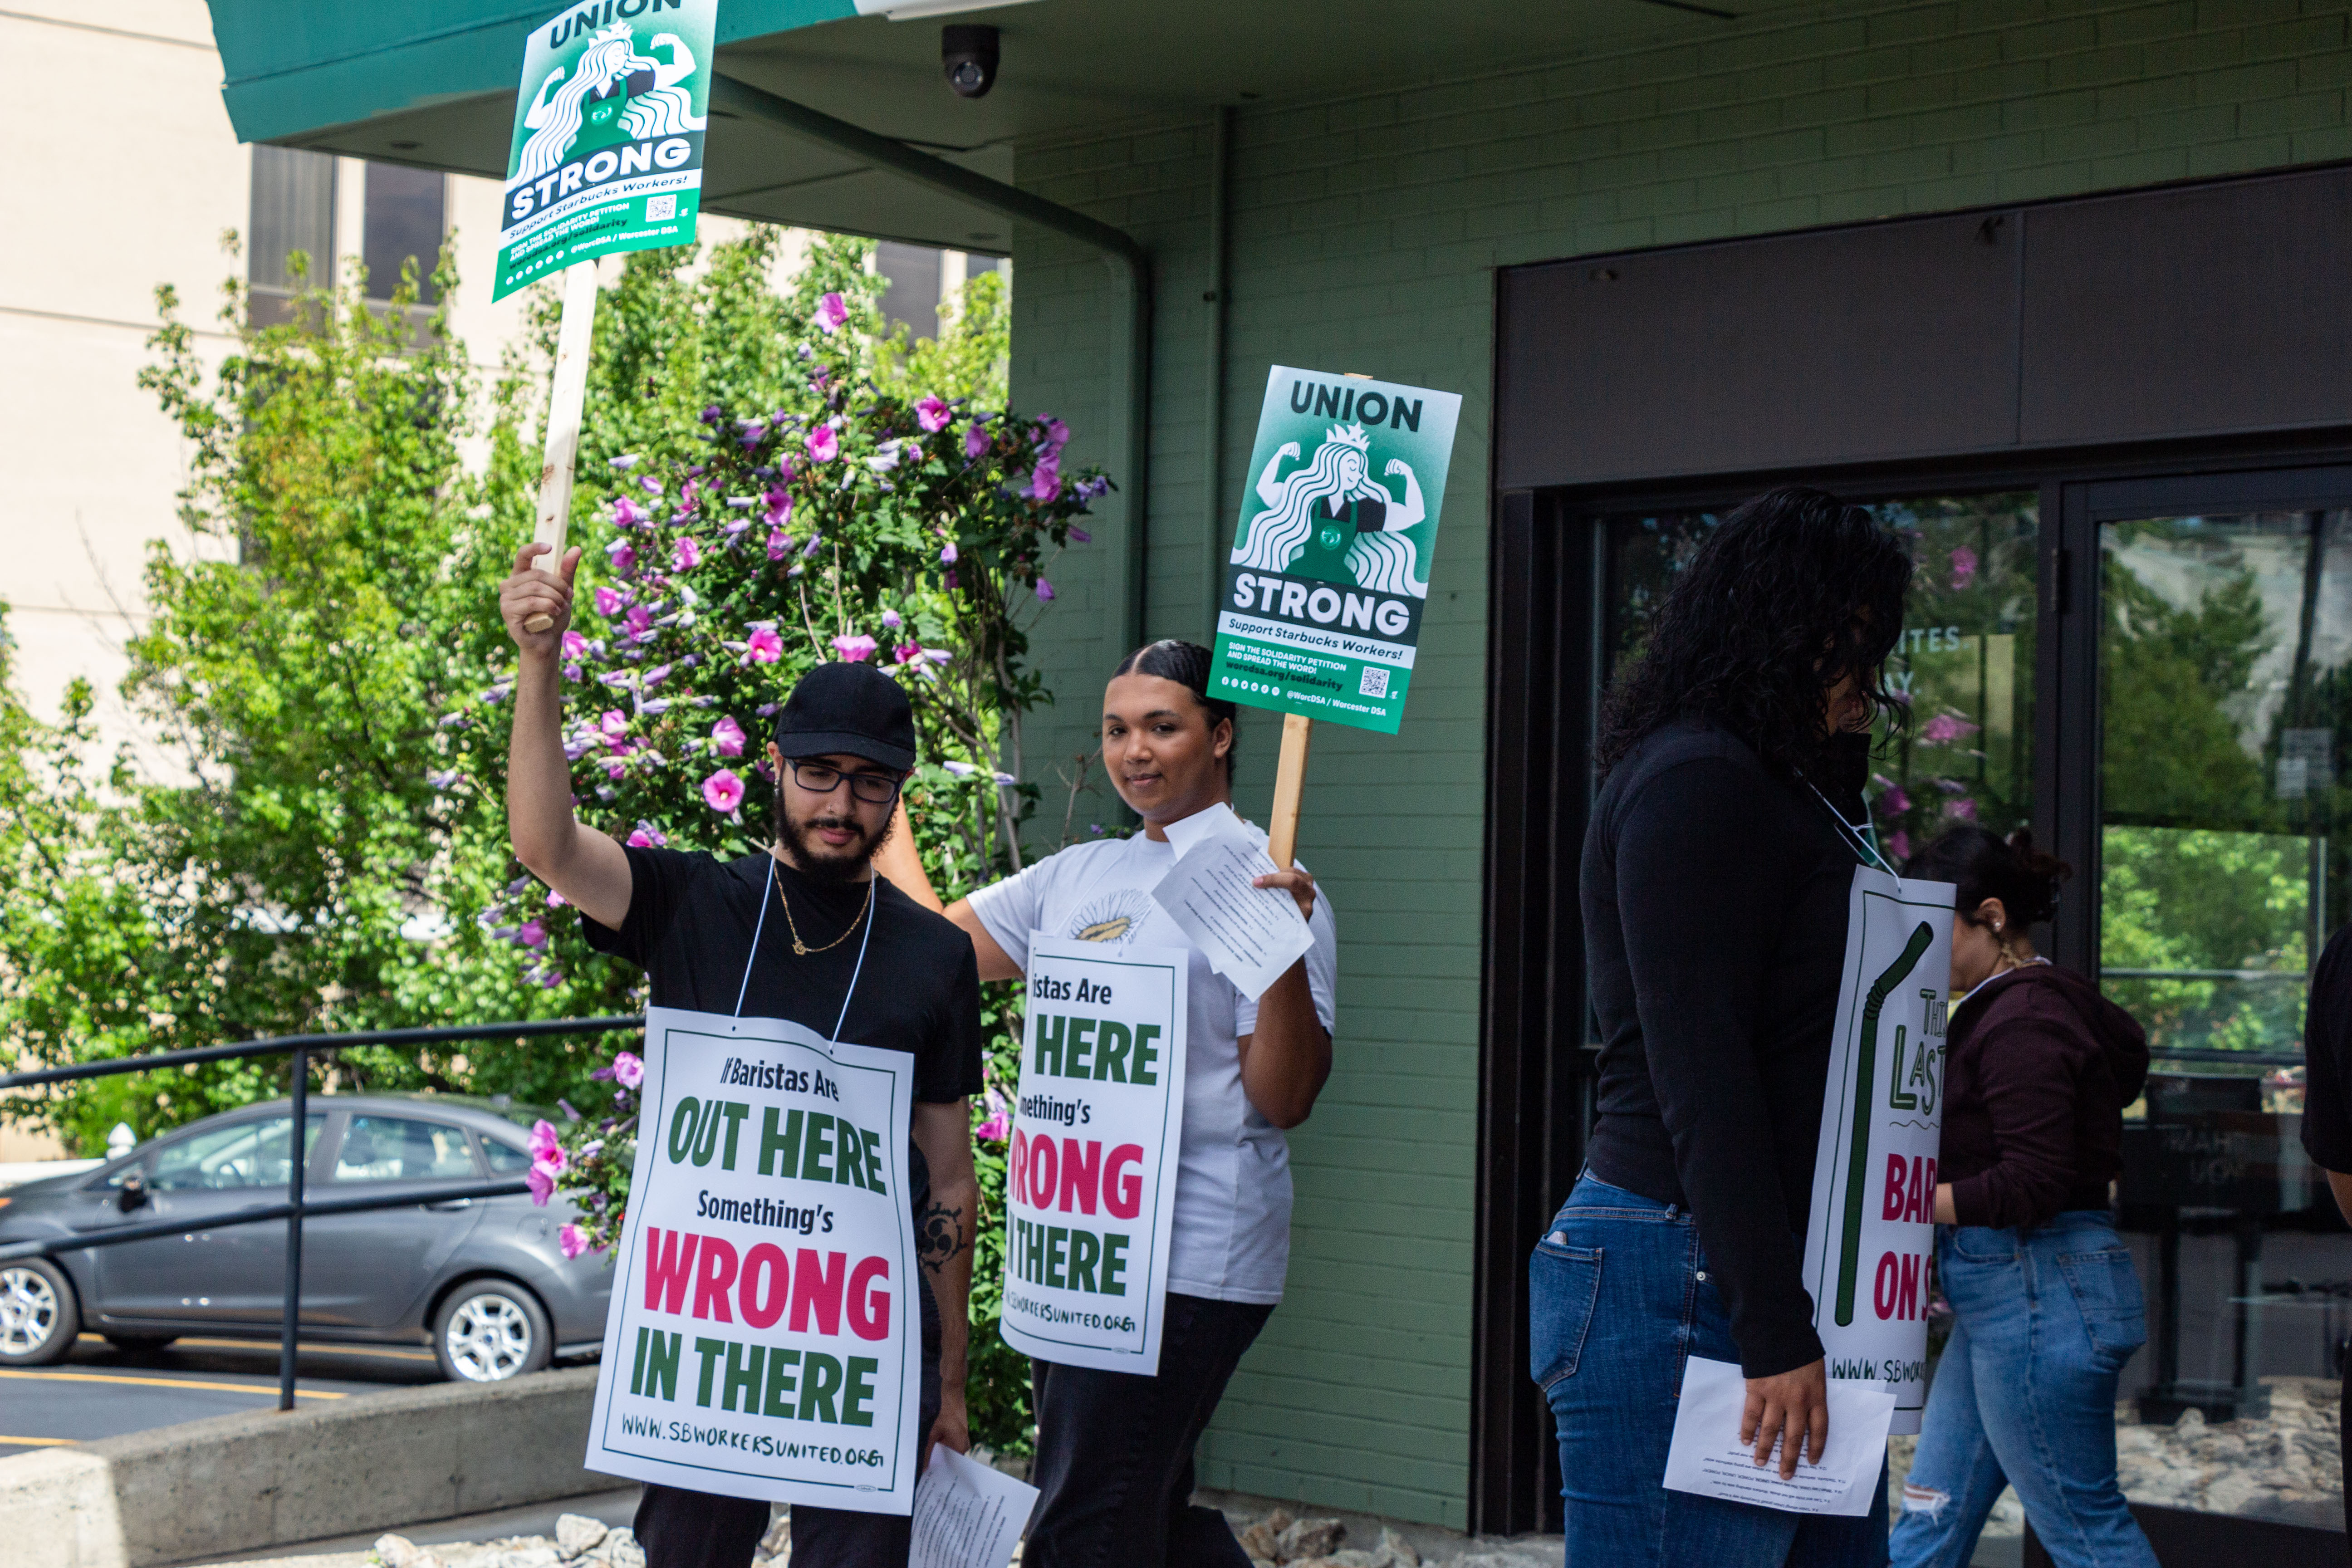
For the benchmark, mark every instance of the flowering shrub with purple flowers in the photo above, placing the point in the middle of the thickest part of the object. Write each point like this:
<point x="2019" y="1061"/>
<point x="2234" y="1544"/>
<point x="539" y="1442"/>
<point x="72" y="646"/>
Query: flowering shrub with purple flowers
<point x="764" y="485"/>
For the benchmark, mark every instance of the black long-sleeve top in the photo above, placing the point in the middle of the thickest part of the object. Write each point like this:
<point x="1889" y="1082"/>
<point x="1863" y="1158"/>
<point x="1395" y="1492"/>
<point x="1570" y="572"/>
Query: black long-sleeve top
<point x="1715" y="898"/>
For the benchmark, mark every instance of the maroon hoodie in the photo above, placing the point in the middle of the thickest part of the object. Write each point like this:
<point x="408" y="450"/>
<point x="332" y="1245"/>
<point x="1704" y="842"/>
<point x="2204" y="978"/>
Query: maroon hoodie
<point x="2038" y="1071"/>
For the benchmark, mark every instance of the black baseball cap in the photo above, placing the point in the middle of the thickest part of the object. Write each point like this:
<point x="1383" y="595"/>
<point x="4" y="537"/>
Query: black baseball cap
<point x="852" y="708"/>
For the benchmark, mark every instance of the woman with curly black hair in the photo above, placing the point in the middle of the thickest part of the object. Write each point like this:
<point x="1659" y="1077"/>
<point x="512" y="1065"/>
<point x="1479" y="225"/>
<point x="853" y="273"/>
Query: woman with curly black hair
<point x="1718" y="869"/>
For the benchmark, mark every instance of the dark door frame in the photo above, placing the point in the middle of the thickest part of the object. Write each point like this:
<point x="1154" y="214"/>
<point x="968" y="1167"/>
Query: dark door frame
<point x="1547" y="578"/>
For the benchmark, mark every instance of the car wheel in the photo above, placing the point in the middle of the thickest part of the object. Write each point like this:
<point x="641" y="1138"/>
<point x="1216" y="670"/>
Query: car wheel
<point x="140" y="1344"/>
<point x="489" y="1331"/>
<point x="40" y="1319"/>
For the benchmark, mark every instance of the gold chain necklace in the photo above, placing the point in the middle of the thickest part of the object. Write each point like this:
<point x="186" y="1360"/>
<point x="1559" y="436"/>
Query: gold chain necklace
<point x="802" y="948"/>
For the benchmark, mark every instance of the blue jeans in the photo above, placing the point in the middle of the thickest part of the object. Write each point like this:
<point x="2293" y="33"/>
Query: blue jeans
<point x="2043" y="1322"/>
<point x="1619" y="1297"/>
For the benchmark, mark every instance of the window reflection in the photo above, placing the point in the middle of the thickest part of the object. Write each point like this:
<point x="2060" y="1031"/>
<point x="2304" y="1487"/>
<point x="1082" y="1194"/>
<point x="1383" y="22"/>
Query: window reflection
<point x="2224" y="643"/>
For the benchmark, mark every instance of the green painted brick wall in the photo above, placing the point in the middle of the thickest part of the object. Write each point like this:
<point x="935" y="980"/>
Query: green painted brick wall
<point x="1365" y="232"/>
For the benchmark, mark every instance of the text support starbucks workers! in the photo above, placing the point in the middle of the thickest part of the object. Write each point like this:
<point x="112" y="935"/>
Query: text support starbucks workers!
<point x="1115" y="1450"/>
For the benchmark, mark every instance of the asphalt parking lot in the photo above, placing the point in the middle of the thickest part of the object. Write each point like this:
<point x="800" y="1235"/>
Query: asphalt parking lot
<point x="101" y="1392"/>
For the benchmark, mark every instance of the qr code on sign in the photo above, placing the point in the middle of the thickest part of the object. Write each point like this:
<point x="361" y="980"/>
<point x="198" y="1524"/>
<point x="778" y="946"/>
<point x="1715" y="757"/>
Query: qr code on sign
<point x="1375" y="682"/>
<point x="660" y="209"/>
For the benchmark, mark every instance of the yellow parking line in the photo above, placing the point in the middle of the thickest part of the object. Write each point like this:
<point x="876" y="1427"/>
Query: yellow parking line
<point x="39" y="1442"/>
<point x="308" y="1349"/>
<point x="255" y="1388"/>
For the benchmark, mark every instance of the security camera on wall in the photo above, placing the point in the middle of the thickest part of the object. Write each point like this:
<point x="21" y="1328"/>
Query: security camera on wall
<point x="968" y="54"/>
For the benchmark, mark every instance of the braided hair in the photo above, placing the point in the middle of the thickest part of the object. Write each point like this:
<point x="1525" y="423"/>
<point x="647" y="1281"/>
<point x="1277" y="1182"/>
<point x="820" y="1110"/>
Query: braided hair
<point x="1982" y="865"/>
<point x="1186" y="664"/>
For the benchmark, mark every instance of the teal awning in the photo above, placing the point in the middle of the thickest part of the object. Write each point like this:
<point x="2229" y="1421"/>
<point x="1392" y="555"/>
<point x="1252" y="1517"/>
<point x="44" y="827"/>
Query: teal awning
<point x="431" y="82"/>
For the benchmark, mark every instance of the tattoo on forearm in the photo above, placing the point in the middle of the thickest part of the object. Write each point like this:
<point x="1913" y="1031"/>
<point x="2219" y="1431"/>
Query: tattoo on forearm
<point x="940" y="1237"/>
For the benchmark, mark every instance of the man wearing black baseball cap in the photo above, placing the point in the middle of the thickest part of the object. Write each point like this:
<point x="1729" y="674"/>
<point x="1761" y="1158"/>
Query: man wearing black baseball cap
<point x="845" y="743"/>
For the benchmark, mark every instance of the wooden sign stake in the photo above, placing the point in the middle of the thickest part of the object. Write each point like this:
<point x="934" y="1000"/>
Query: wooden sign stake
<point x="1290" y="782"/>
<point x="564" y="411"/>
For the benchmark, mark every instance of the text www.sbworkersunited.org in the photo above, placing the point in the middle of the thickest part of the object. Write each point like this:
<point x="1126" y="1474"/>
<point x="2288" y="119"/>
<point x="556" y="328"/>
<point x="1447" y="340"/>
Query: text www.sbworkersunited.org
<point x="748" y="1442"/>
<point x="1047" y="1312"/>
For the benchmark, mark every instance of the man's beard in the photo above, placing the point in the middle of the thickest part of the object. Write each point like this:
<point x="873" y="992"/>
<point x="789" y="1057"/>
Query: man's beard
<point x="820" y="861"/>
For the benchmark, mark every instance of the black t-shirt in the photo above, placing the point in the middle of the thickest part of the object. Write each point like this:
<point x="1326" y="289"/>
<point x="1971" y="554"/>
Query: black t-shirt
<point x="1715" y="898"/>
<point x="2327" y="1058"/>
<point x="690" y="927"/>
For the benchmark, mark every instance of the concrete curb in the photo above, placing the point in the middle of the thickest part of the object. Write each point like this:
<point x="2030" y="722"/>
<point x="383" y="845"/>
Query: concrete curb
<point x="263" y="1478"/>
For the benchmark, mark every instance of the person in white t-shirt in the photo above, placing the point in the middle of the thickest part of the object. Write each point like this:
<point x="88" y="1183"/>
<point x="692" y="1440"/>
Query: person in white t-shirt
<point x="1115" y="1450"/>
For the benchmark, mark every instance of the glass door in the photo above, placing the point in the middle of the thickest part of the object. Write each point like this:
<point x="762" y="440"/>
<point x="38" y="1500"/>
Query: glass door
<point x="2221" y="612"/>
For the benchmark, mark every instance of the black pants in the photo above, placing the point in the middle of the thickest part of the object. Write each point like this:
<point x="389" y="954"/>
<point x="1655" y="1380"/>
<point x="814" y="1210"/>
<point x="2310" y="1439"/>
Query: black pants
<point x="1115" y="1450"/>
<point x="681" y="1529"/>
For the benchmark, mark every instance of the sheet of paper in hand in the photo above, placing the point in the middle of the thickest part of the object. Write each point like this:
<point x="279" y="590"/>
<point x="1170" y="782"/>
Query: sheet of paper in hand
<point x="967" y="1514"/>
<point x="764" y="1339"/>
<point x="1872" y="1229"/>
<point x="1090" y="1191"/>
<point x="1706" y="1456"/>
<point x="1249" y="934"/>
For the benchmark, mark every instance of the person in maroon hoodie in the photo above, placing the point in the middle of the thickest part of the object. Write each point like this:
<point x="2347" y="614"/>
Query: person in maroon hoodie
<point x="2038" y="1067"/>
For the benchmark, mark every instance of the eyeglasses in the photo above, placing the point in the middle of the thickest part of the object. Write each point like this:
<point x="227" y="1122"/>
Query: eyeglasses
<point x="823" y="778"/>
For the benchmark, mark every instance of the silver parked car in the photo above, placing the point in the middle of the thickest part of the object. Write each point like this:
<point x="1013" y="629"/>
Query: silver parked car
<point x="483" y="1280"/>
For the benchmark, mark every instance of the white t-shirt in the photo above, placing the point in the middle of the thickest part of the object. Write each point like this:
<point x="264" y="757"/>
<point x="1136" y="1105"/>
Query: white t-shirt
<point x="1231" y="1234"/>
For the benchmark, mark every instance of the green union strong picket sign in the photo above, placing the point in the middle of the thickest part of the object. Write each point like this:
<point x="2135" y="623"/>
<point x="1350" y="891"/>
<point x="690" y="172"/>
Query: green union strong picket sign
<point x="1329" y="566"/>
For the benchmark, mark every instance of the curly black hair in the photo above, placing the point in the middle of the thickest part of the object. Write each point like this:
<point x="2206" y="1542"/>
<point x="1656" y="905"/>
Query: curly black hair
<point x="1793" y="591"/>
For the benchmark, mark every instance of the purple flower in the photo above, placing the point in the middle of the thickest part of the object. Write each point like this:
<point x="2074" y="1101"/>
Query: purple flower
<point x="655" y="676"/>
<point x="854" y="649"/>
<point x="686" y="554"/>
<point x="752" y="434"/>
<point x="713" y="415"/>
<point x="626" y="513"/>
<point x="649" y="484"/>
<point x="574" y="645"/>
<point x="824" y="444"/>
<point x="832" y="314"/>
<point x="532" y="934"/>
<point x="640" y="622"/>
<point x="995" y="1130"/>
<point x="948" y="553"/>
<point x="1944" y="729"/>
<point x="933" y="415"/>
<point x="727" y="737"/>
<point x="623" y="554"/>
<point x="555" y="901"/>
<point x="649" y="837"/>
<point x="547" y="1145"/>
<point x="442" y="781"/>
<point x="1081" y="536"/>
<point x="1962" y="809"/>
<point x="892" y="619"/>
<point x="960" y="770"/>
<point x="629" y="1070"/>
<point x="542" y="1183"/>
<point x="1899" y="843"/>
<point x="765" y="647"/>
<point x="779" y="544"/>
<point x="1894" y="803"/>
<point x="814" y="540"/>
<point x="975" y="440"/>
<point x="1057" y="436"/>
<point x="613" y="721"/>
<point x="1046" y="479"/>
<point x="624" y="462"/>
<point x="906" y="652"/>
<point x="572" y="1240"/>
<point x="722" y="790"/>
<point x="951" y="580"/>
<point x="1964" y="566"/>
<point x="1045" y="591"/>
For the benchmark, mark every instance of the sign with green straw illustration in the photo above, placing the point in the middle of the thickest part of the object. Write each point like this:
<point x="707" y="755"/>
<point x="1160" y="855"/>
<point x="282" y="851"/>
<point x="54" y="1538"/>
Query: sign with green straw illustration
<point x="1872" y="1229"/>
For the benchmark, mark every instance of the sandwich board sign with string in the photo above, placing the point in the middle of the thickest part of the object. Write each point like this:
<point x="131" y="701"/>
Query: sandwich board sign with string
<point x="765" y="1334"/>
<point x="1871" y="1230"/>
<point x="606" y="156"/>
<point x="1329" y="572"/>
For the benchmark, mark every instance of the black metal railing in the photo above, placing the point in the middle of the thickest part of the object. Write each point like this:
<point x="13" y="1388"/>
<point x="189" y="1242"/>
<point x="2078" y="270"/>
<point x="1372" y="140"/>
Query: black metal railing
<point x="297" y="1206"/>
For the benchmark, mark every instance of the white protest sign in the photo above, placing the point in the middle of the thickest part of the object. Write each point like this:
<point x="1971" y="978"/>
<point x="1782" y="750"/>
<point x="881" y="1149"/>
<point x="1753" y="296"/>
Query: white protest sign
<point x="1250" y="934"/>
<point x="1871" y="1230"/>
<point x="765" y="1340"/>
<point x="1090" y="1188"/>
